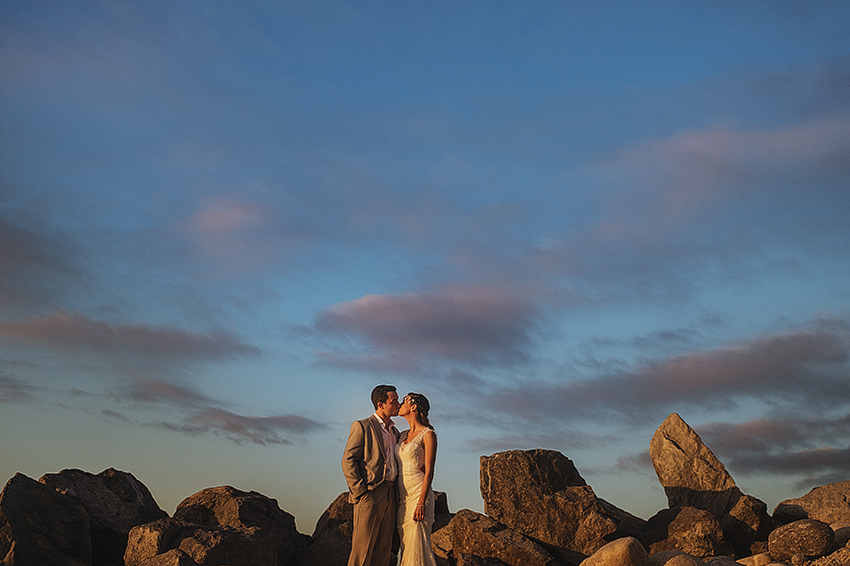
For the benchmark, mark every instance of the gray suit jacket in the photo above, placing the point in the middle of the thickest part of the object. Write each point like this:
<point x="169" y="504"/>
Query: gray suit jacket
<point x="364" y="460"/>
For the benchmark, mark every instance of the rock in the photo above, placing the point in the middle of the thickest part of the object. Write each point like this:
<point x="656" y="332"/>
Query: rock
<point x="842" y="533"/>
<point x="331" y="542"/>
<point x="227" y="506"/>
<point x="806" y="536"/>
<point x="626" y="551"/>
<point x="441" y="545"/>
<point x="693" y="477"/>
<point x="661" y="558"/>
<point x="681" y="559"/>
<point x="721" y="561"/>
<point x="687" y="529"/>
<point x="760" y="559"/>
<point x="841" y="557"/>
<point x="479" y="535"/>
<point x="40" y="526"/>
<point x="203" y="544"/>
<point x="541" y="494"/>
<point x="471" y="560"/>
<point x="115" y="502"/>
<point x="174" y="557"/>
<point x="829" y="504"/>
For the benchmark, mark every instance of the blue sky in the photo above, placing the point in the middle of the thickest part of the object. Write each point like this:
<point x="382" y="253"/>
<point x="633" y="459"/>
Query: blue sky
<point x="221" y="224"/>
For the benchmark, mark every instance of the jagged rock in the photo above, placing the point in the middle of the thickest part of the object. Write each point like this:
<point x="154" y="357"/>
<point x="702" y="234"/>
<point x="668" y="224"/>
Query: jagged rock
<point x="687" y="529"/>
<point x="626" y="551"/>
<point x="40" y="526"/>
<point x="479" y="535"/>
<point x="693" y="477"/>
<point x="441" y="545"/>
<point x="828" y="503"/>
<point x="661" y="558"/>
<point x="115" y="502"/>
<point x="721" y="561"/>
<point x="806" y="536"/>
<point x="541" y="494"/>
<point x="205" y="545"/>
<point x="227" y="506"/>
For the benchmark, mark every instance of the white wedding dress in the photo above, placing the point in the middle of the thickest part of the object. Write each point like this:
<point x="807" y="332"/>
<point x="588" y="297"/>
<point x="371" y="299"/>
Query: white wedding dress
<point x="415" y="535"/>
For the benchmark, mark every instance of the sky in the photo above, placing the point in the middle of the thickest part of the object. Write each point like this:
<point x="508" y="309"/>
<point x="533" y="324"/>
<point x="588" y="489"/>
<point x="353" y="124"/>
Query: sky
<point x="223" y="223"/>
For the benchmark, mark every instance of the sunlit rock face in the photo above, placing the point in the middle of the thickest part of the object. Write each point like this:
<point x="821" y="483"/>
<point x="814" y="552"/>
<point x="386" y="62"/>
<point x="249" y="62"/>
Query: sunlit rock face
<point x="541" y="494"/>
<point x="693" y="477"/>
<point x="827" y="503"/>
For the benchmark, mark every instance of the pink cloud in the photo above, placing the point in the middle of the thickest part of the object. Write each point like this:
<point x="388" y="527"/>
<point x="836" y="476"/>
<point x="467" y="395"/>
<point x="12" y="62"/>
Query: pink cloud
<point x="463" y="324"/>
<point x="802" y="366"/>
<point x="75" y="331"/>
<point x="259" y="430"/>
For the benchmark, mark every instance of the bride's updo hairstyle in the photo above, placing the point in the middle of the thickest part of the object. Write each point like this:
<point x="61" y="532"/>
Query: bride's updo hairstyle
<point x="422" y="406"/>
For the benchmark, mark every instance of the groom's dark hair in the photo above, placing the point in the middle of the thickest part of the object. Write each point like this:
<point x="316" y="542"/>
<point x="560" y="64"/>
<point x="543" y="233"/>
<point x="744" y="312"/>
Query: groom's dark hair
<point x="380" y="394"/>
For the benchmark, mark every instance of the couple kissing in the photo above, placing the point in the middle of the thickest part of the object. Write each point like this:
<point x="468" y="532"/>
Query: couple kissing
<point x="389" y="476"/>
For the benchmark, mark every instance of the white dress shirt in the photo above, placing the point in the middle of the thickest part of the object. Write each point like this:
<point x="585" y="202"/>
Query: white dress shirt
<point x="388" y="432"/>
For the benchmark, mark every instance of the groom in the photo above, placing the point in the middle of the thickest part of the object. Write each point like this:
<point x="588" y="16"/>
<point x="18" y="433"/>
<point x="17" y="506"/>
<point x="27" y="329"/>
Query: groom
<point x="370" y="470"/>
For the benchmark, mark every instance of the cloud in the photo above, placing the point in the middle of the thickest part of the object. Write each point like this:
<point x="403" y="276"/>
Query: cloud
<point x="783" y="445"/>
<point x="34" y="268"/>
<point x="802" y="366"/>
<point x="473" y="325"/>
<point x="257" y="430"/>
<point x="74" y="331"/>
<point x="13" y="390"/>
<point x="157" y="391"/>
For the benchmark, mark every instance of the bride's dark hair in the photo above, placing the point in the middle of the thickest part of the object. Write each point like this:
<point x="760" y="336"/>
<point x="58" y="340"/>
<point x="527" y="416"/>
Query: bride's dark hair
<point x="423" y="407"/>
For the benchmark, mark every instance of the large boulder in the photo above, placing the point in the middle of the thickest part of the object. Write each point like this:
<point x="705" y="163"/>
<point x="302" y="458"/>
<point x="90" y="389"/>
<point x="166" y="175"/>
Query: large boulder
<point x="626" y="551"/>
<point x="541" y="494"/>
<point x="828" y="503"/>
<point x="687" y="529"/>
<point x="693" y="477"/>
<point x="808" y="537"/>
<point x="157" y="543"/>
<point x="39" y="525"/>
<point x="478" y="535"/>
<point x="220" y="525"/>
<point x="674" y="558"/>
<point x="331" y="541"/>
<point x="115" y="502"/>
<point x="227" y="506"/>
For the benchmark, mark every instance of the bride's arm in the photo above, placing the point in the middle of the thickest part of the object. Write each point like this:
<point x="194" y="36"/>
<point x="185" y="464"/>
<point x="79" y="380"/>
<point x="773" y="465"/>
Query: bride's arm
<point x="430" y="442"/>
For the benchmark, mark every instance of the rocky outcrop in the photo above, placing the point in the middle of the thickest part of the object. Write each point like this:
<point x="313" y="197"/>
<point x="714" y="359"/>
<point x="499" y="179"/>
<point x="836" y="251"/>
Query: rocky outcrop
<point x="828" y="503"/>
<point x="693" y="477"/>
<point x="331" y="542"/>
<point x="541" y="494"/>
<point x="115" y="502"/>
<point x="480" y="535"/>
<point x="39" y="525"/>
<point x="686" y="529"/>
<point x="220" y="525"/>
<point x="622" y="552"/>
<point x="808" y="537"/>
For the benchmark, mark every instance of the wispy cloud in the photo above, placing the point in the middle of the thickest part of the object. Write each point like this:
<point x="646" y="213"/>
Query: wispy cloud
<point x="13" y="390"/>
<point x="202" y="414"/>
<point x="477" y="324"/>
<point x="807" y="365"/>
<point x="74" y="331"/>
<point x="274" y="429"/>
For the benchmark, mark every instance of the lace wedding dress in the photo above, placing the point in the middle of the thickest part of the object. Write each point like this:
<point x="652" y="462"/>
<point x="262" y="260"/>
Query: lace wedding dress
<point x="415" y="535"/>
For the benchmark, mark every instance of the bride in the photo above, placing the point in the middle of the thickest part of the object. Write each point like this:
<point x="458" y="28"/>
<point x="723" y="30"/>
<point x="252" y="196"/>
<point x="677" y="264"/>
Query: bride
<point x="416" y="452"/>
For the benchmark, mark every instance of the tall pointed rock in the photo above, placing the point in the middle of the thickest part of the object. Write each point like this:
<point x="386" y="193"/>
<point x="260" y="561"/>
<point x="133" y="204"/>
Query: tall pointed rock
<point x="692" y="476"/>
